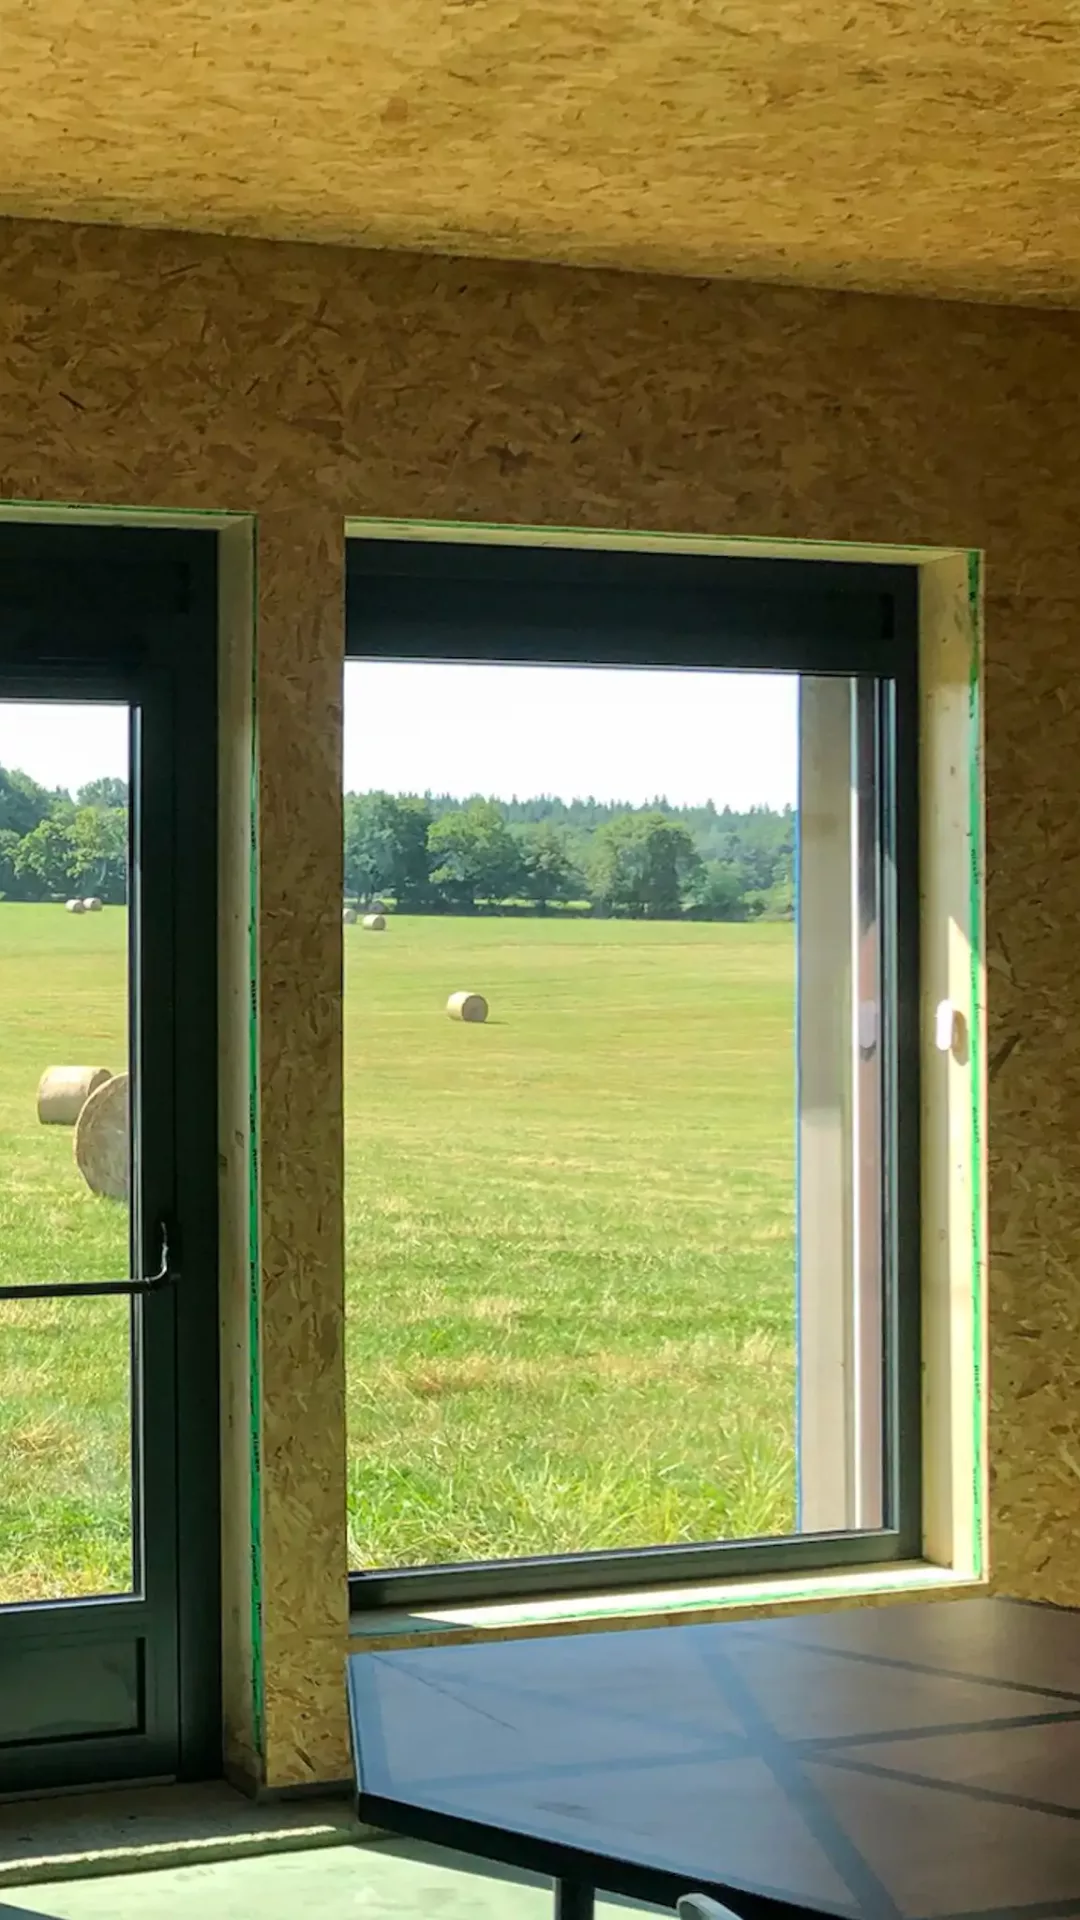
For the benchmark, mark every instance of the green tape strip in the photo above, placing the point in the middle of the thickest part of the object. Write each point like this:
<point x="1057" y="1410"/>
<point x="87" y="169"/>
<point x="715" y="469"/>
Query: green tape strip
<point x="258" y="1666"/>
<point x="975" y="947"/>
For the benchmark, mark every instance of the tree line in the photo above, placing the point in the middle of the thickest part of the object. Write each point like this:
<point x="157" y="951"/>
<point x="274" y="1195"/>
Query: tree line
<point x="434" y="854"/>
<point x="431" y="854"/>
<point x="52" y="844"/>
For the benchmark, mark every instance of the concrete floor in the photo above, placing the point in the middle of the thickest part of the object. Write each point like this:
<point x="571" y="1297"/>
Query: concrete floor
<point x="386" y="1881"/>
<point x="76" y="1836"/>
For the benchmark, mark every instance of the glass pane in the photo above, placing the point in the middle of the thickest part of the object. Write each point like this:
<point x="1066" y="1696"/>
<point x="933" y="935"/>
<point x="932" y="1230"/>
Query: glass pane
<point x="66" y="1508"/>
<point x="842" y="1027"/>
<point x="613" y="1247"/>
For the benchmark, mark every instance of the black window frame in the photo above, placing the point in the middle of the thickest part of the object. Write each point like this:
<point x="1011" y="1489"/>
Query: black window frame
<point x="103" y="611"/>
<point x="458" y="599"/>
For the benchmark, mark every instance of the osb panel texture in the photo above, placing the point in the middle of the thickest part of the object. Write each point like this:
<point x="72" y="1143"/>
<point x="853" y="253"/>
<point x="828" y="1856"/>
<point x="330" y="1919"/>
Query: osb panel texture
<point x="927" y="147"/>
<point x="1034" y="858"/>
<point x="305" y="384"/>
<point x="430" y="1634"/>
<point x="298" y="705"/>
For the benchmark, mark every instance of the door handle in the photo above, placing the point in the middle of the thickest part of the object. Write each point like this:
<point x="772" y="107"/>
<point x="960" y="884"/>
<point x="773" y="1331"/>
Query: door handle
<point x="167" y="1275"/>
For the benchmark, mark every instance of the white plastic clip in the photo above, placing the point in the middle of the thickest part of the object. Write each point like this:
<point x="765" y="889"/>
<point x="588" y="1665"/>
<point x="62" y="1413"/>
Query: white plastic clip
<point x="948" y="1028"/>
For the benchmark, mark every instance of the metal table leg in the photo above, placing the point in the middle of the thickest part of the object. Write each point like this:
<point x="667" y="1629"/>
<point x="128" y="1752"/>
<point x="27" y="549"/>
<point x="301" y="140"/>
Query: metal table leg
<point x="573" y="1900"/>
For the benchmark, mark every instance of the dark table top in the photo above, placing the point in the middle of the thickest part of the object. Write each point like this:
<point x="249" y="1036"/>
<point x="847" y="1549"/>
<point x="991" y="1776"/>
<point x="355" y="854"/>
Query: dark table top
<point x="917" y="1762"/>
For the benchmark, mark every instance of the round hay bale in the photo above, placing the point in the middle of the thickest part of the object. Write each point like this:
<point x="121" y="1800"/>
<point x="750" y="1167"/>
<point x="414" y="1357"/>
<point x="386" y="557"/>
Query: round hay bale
<point x="375" y="922"/>
<point x="467" y="1006"/>
<point x="64" y="1091"/>
<point x="348" y="916"/>
<point x="102" y="1148"/>
<point x="75" y="906"/>
<point x="93" y="904"/>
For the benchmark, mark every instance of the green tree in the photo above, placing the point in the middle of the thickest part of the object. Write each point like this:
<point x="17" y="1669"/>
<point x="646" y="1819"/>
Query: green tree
<point x="547" y="870"/>
<point x="717" y="892"/>
<point x="11" y="888"/>
<point x="775" y="902"/>
<point x="643" y="865"/>
<point x="475" y="856"/>
<point x="99" y="851"/>
<point x="106" y="792"/>
<point x="386" y="848"/>
<point x="23" y="804"/>
<point x="44" y="860"/>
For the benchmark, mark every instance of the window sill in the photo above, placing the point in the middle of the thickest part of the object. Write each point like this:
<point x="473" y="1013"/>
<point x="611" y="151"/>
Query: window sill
<point x="659" y="1606"/>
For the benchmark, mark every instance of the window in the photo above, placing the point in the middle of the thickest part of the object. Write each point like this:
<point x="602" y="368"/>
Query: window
<point x="109" y="1523"/>
<point x="633" y="1257"/>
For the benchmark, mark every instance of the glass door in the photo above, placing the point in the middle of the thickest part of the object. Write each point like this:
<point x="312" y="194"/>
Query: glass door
<point x="108" y="1429"/>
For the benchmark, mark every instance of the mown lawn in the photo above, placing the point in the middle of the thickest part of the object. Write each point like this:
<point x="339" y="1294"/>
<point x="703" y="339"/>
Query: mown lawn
<point x="569" y="1233"/>
<point x="570" y="1237"/>
<point x="65" y="1508"/>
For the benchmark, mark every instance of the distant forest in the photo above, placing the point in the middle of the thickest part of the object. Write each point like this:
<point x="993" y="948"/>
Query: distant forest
<point x="53" y="844"/>
<point x="434" y="854"/>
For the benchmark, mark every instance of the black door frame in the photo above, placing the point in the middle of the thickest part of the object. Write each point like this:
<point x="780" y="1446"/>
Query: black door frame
<point x="130" y="614"/>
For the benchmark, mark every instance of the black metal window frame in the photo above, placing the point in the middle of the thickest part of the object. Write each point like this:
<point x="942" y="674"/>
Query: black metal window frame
<point x="113" y="613"/>
<point x="581" y="605"/>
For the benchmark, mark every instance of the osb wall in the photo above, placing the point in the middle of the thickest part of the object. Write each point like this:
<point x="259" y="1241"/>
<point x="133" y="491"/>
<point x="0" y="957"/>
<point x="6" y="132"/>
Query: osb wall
<point x="304" y="385"/>
<point x="922" y="148"/>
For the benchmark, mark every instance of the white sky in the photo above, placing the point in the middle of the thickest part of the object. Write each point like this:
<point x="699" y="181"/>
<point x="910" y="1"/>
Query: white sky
<point x="574" y="732"/>
<point x="61" y="745"/>
<point x="614" y="734"/>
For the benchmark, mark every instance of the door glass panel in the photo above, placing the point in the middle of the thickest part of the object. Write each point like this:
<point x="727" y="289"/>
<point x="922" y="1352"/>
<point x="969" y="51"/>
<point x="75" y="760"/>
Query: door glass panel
<point x="67" y="1515"/>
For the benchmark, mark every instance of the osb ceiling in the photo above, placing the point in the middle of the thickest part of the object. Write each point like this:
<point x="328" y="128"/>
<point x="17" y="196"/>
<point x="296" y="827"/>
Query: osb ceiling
<point x="894" y="144"/>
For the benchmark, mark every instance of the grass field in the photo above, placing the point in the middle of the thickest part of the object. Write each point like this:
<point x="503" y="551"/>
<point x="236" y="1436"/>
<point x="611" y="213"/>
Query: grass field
<point x="65" y="1524"/>
<point x="569" y="1235"/>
